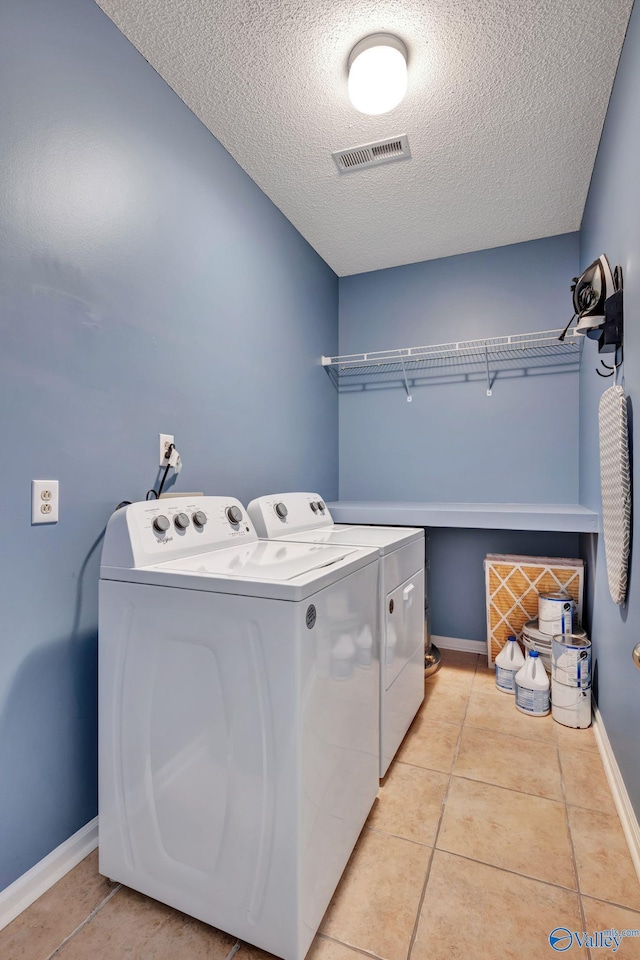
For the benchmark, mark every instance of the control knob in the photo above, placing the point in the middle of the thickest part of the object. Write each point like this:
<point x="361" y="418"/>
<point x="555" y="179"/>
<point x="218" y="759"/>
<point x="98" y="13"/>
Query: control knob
<point x="321" y="506"/>
<point x="281" y="510"/>
<point x="314" y="506"/>
<point x="181" y="521"/>
<point x="234" y="515"/>
<point x="199" y="519"/>
<point x="161" y="524"/>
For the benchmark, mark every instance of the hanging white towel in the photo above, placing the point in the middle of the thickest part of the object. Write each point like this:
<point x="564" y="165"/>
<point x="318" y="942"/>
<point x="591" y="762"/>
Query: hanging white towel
<point x="615" y="478"/>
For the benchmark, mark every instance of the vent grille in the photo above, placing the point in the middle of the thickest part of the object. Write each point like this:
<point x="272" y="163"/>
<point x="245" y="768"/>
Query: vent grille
<point x="388" y="150"/>
<point x="372" y="154"/>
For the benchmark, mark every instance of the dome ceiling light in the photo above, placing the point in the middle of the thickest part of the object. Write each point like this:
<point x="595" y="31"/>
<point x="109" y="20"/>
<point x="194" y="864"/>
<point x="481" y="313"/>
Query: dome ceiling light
<point x="377" y="73"/>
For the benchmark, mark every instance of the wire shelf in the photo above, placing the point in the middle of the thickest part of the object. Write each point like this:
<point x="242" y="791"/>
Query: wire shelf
<point x="489" y="358"/>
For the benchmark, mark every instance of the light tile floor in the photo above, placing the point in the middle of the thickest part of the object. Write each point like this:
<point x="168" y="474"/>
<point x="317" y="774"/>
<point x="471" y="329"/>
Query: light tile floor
<point x="490" y="830"/>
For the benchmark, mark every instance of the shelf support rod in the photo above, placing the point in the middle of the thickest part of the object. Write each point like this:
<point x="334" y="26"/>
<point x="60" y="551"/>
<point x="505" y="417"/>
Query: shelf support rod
<point x="406" y="382"/>
<point x="486" y="360"/>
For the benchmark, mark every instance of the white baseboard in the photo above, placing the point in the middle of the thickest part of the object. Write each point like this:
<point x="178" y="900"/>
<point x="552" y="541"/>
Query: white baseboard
<point x="621" y="798"/>
<point x="22" y="892"/>
<point x="458" y="643"/>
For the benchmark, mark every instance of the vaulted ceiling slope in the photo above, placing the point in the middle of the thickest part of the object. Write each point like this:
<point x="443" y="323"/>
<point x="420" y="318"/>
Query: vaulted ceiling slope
<point x="504" y="111"/>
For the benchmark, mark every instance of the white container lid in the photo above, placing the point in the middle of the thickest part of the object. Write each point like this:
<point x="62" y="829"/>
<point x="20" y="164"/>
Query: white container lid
<point x="531" y="630"/>
<point x="576" y="640"/>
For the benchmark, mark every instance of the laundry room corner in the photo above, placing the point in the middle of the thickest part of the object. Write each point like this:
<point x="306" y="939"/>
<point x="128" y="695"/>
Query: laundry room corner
<point x="453" y="442"/>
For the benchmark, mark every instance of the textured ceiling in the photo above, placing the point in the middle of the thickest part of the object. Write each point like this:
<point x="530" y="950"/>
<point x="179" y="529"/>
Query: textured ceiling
<point x="504" y="111"/>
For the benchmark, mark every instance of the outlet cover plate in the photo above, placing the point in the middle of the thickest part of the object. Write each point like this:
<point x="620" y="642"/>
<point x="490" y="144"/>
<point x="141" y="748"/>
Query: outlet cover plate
<point x="165" y="440"/>
<point x="44" y="501"/>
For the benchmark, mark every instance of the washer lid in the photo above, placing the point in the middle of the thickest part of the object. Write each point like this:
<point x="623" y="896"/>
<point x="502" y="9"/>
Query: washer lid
<point x="270" y="560"/>
<point x="386" y="539"/>
<point x="269" y="569"/>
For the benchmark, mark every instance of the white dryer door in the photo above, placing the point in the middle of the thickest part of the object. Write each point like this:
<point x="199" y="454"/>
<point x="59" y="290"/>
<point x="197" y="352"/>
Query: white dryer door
<point x="404" y="626"/>
<point x="402" y="689"/>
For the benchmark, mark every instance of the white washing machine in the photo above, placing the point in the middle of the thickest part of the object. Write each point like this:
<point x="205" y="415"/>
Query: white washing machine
<point x="304" y="518"/>
<point x="238" y="709"/>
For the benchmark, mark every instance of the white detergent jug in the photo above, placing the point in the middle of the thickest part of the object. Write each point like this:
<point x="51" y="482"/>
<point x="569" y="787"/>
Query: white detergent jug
<point x="508" y="662"/>
<point x="532" y="687"/>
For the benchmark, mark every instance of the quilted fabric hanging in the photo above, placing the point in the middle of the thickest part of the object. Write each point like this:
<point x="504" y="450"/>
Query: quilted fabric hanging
<point x="615" y="478"/>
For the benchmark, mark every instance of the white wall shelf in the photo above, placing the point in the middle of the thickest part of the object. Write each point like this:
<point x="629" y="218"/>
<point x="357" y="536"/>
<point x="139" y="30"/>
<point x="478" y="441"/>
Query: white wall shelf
<point x="523" y="354"/>
<point x="564" y="517"/>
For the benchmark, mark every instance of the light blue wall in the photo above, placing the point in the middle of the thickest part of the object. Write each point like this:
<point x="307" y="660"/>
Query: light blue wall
<point x="456" y="576"/>
<point x="611" y="225"/>
<point x="146" y="285"/>
<point x="452" y="442"/>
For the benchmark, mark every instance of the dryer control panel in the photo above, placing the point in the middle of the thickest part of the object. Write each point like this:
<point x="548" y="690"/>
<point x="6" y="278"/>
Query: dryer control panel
<point x="280" y="514"/>
<point x="157" y="530"/>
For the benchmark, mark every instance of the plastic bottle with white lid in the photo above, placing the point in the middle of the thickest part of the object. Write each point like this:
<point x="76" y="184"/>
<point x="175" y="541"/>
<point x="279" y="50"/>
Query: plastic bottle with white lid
<point x="532" y="687"/>
<point x="508" y="663"/>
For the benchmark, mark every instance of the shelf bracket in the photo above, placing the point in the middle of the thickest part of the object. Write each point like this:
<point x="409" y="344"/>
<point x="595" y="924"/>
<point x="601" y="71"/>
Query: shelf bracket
<point x="406" y="382"/>
<point x="486" y="360"/>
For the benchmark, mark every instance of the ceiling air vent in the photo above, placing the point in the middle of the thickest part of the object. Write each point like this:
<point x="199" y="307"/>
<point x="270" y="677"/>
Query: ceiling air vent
<point x="373" y="154"/>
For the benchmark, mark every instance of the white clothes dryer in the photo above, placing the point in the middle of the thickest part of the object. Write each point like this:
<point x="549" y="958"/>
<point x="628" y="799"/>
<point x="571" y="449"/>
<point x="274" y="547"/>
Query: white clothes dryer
<point x="305" y="518"/>
<point x="238" y="708"/>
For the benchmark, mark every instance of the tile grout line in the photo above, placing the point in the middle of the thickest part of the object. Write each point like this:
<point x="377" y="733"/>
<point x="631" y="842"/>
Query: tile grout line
<point x="611" y="903"/>
<point x="513" y="873"/>
<point x="520" y="736"/>
<point x="573" y="849"/>
<point x="423" y="894"/>
<point x="516" y="736"/>
<point x="488" y="863"/>
<point x="397" y="836"/>
<point x="416" y="766"/>
<point x="350" y="946"/>
<point x="499" y="786"/>
<point x="86" y="920"/>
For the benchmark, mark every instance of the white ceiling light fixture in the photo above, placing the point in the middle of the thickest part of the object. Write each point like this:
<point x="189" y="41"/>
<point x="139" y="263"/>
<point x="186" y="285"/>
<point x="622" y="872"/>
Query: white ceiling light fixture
<point x="377" y="73"/>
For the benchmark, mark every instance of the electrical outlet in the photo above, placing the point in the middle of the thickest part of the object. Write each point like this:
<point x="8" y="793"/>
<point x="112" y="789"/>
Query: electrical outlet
<point x="44" y="501"/>
<point x="166" y="439"/>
